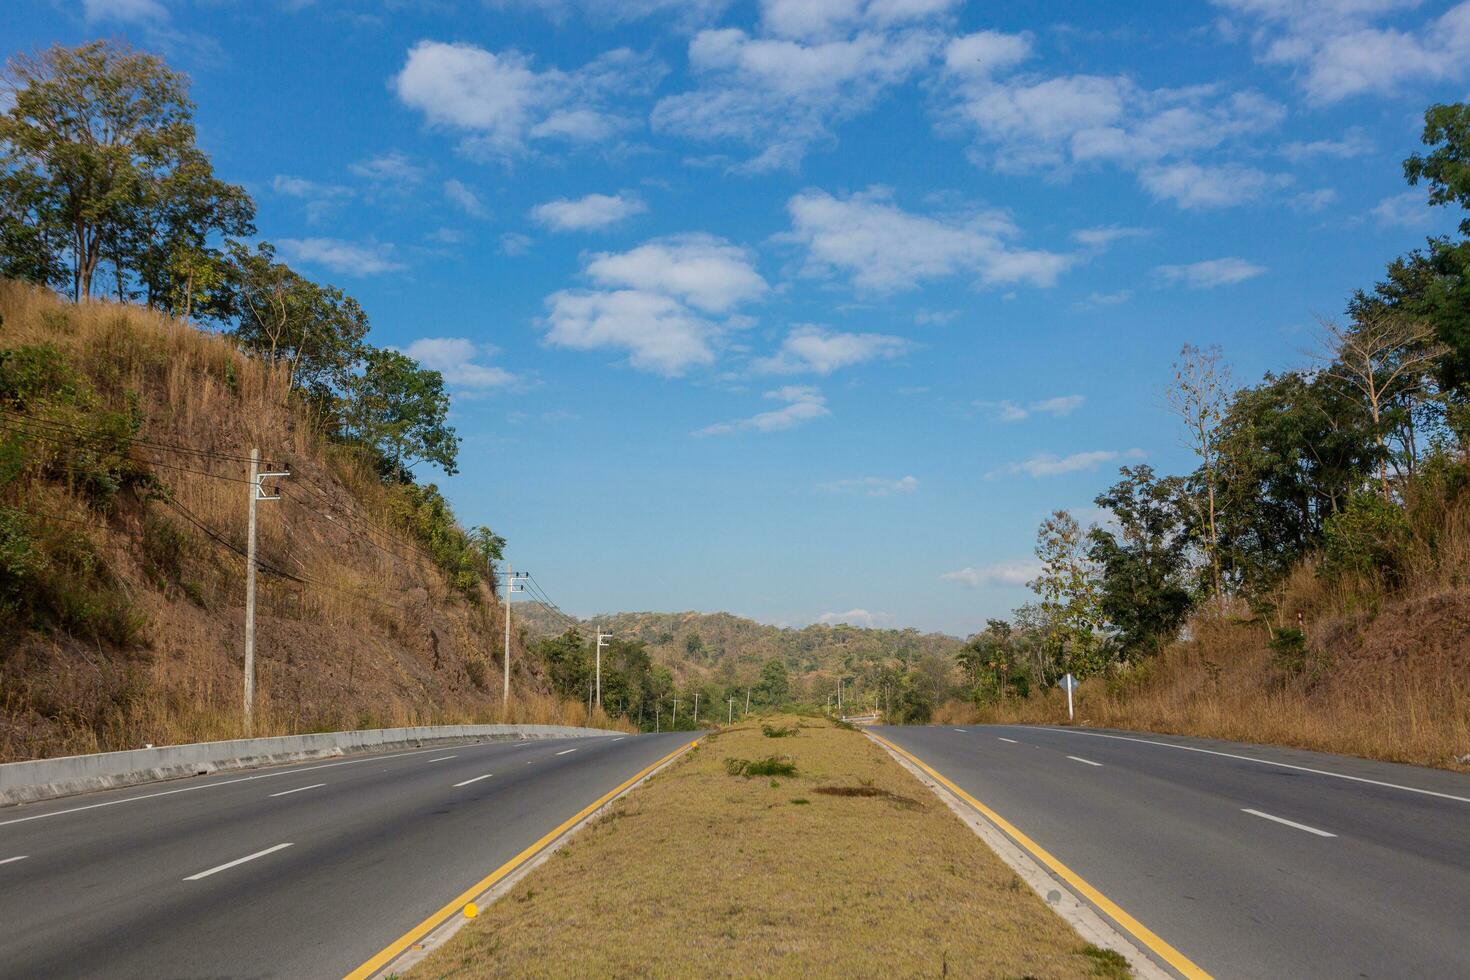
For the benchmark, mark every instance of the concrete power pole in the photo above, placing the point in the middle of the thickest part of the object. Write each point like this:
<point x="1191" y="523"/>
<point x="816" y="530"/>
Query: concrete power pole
<point x="602" y="639"/>
<point x="257" y="493"/>
<point x="510" y="590"/>
<point x="674" y="725"/>
<point x="730" y="714"/>
<point x="696" y="709"/>
<point x="747" y="700"/>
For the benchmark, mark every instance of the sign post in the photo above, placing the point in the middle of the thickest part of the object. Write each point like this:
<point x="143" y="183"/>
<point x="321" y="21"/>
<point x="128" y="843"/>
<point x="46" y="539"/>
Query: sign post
<point x="1069" y="682"/>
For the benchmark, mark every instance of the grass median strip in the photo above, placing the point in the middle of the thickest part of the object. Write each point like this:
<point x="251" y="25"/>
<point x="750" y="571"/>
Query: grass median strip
<point x="814" y="855"/>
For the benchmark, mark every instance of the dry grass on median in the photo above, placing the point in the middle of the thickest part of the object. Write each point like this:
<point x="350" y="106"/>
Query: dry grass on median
<point x="849" y="868"/>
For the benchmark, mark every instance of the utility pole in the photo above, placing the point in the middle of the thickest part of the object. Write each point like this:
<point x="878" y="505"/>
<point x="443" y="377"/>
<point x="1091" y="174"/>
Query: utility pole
<point x="655" y="717"/>
<point x="730" y="715"/>
<point x="257" y="493"/>
<point x="839" y="697"/>
<point x="696" y="709"/>
<point x="674" y="725"/>
<point x="601" y="642"/>
<point x="510" y="590"/>
<point x="747" y="700"/>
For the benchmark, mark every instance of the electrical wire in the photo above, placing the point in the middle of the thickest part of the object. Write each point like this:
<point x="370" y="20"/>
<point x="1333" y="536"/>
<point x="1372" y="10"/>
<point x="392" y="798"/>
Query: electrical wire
<point x="28" y="419"/>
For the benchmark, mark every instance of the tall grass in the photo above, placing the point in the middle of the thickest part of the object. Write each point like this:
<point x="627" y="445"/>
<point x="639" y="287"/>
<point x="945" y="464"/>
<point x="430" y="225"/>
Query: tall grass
<point x="364" y="632"/>
<point x="1386" y="672"/>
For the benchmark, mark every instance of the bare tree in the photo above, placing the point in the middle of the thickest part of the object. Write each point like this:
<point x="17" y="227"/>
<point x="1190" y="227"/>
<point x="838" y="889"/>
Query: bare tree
<point x="1386" y="357"/>
<point x="1200" y="396"/>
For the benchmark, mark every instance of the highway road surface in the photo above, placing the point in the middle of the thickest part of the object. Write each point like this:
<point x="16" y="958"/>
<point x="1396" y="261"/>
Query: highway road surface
<point x="1251" y="861"/>
<point x="296" y="871"/>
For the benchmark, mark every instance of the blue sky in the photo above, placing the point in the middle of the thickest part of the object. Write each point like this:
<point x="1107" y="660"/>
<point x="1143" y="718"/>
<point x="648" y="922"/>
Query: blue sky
<point x="809" y="309"/>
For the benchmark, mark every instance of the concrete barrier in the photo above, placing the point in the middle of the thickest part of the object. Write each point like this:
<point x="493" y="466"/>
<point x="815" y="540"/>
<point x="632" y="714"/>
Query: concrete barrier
<point x="46" y="779"/>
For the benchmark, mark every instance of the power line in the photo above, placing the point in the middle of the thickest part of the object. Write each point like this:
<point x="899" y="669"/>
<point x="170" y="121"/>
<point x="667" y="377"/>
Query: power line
<point x="85" y="435"/>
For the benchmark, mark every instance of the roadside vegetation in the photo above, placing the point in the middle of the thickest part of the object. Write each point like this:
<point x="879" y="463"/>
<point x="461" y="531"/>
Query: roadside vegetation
<point x="147" y="342"/>
<point x="844" y="865"/>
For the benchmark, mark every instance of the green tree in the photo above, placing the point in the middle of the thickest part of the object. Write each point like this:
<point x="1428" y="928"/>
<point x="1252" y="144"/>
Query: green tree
<point x="775" y="683"/>
<point x="1071" y="600"/>
<point x="100" y="163"/>
<point x="1144" y="562"/>
<point x="1447" y="168"/>
<point x="1298" y="447"/>
<point x="567" y="663"/>
<point x="401" y="410"/>
<point x="315" y="331"/>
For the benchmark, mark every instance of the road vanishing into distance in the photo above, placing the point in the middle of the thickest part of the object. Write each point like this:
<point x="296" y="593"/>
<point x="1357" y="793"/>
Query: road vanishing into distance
<point x="297" y="871"/>
<point x="1251" y="861"/>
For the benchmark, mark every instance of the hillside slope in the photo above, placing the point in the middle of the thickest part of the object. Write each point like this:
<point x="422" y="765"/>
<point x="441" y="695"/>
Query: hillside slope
<point x="722" y="646"/>
<point x="123" y="498"/>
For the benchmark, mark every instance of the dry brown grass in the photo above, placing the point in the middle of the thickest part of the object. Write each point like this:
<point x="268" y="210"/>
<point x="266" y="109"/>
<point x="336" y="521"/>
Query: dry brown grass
<point x="699" y="873"/>
<point x="1391" y="685"/>
<point x="376" y="637"/>
<point x="1387" y="673"/>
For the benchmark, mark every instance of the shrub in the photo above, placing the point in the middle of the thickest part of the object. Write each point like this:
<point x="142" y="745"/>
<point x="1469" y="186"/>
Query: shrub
<point x="773" y="731"/>
<point x="475" y="667"/>
<point x="771" y="766"/>
<point x="1289" y="647"/>
<point x="1367" y="537"/>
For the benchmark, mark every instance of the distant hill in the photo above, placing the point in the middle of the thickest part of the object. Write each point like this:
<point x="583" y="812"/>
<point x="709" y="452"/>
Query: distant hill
<point x="724" y="646"/>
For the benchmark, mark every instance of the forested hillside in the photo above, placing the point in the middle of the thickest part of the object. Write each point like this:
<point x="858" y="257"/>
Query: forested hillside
<point x="126" y="424"/>
<point x="724" y="655"/>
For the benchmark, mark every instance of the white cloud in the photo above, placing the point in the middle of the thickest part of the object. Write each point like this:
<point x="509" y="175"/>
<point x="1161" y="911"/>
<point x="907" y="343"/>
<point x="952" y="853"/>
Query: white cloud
<point x="595" y="211"/>
<point x="1210" y="273"/>
<point x="856" y="617"/>
<point x="659" y="333"/>
<point x="1106" y="299"/>
<point x="1030" y="122"/>
<point x="389" y="168"/>
<point x="706" y="272"/>
<point x="658" y="302"/>
<point x="1354" y="143"/>
<point x="872" y="486"/>
<point x="1339" y="48"/>
<point x="124" y="11"/>
<point x="986" y="53"/>
<point x="780" y="94"/>
<point x="686" y="12"/>
<point x="514" y="244"/>
<point x="1192" y="186"/>
<point x="802" y="404"/>
<point x="883" y="248"/>
<point x="810" y="348"/>
<point x="820" y="19"/>
<point x="1099" y="238"/>
<point x="454" y="358"/>
<point x="463" y="197"/>
<point x="1050" y="464"/>
<point x="1311" y="201"/>
<point x="289" y="186"/>
<point x="500" y="100"/>
<point x="1059" y="407"/>
<point x="1407" y="210"/>
<point x="347" y="258"/>
<point x="1004" y="573"/>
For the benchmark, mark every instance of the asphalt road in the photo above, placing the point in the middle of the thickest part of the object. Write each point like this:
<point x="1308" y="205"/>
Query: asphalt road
<point x="1237" y="855"/>
<point x="343" y="857"/>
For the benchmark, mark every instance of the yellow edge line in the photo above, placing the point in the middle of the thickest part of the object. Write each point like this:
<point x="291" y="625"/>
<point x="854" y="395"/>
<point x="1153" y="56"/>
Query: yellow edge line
<point x="396" y="948"/>
<point x="1140" y="932"/>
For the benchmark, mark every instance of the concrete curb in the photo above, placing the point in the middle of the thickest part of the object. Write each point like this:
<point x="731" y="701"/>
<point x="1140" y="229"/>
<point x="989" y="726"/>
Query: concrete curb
<point x="1091" y="924"/>
<point x="47" y="779"/>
